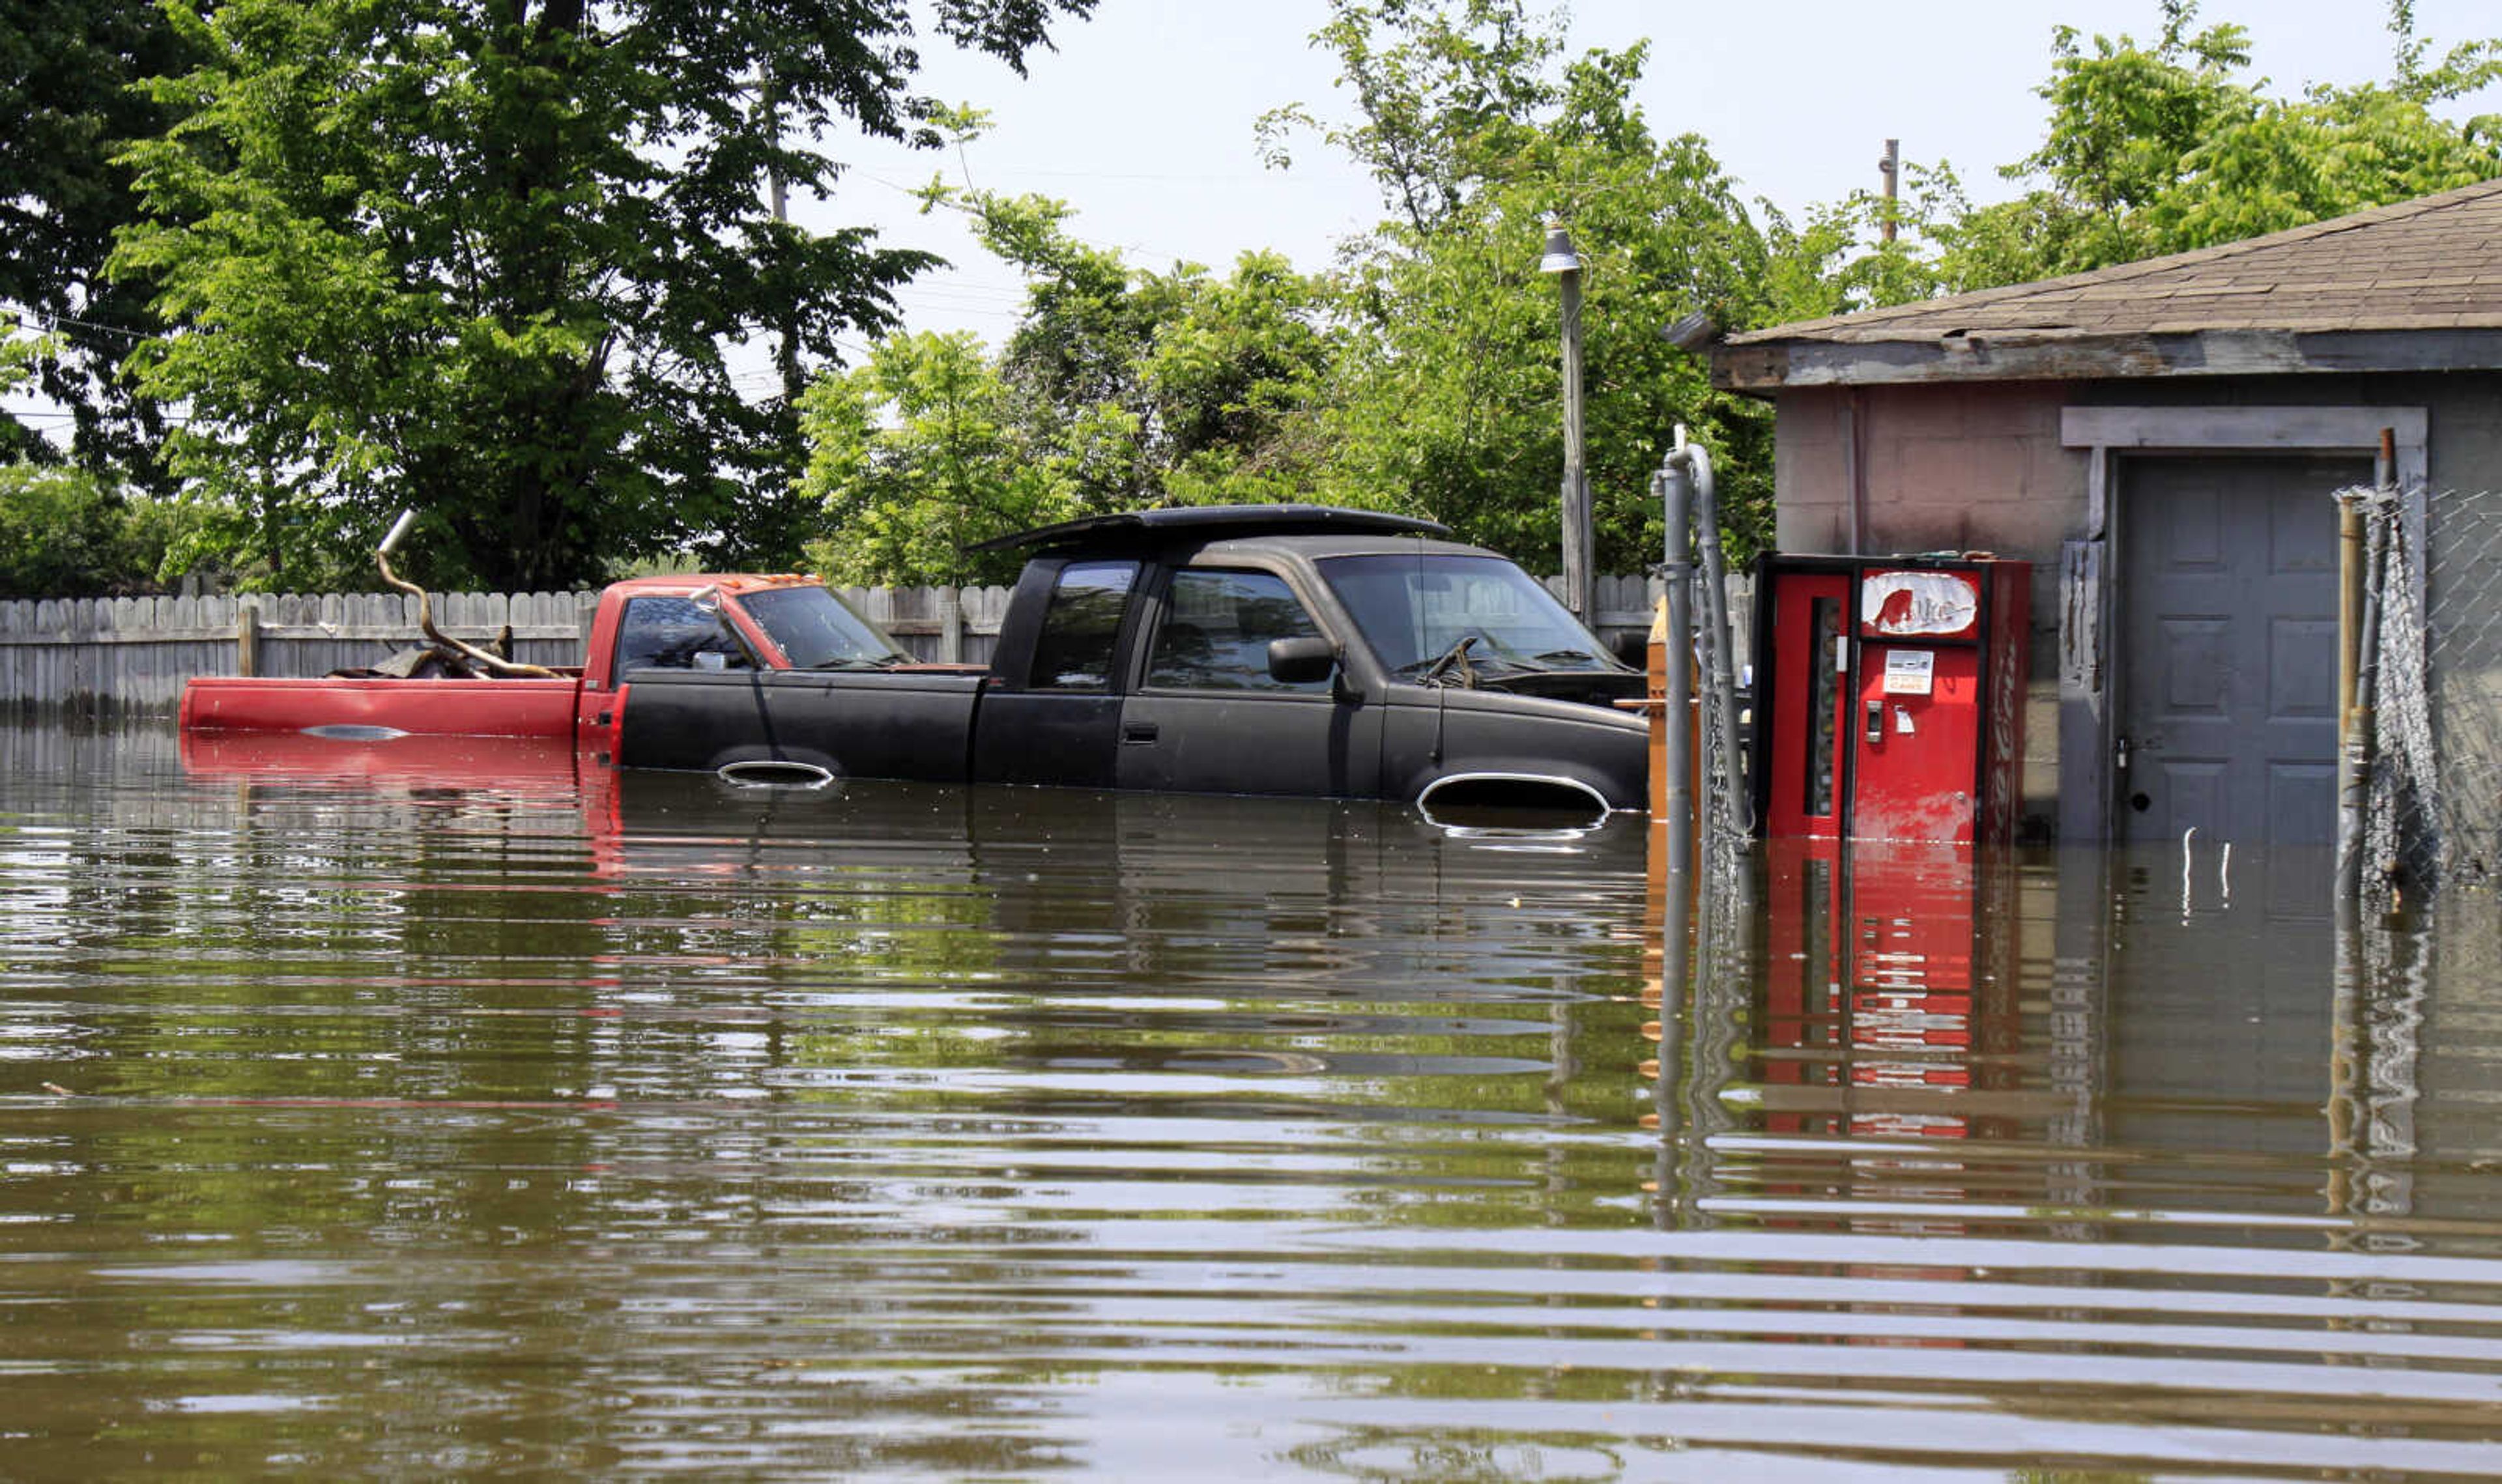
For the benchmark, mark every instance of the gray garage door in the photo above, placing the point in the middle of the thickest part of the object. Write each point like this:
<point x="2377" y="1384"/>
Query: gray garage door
<point x="2228" y="609"/>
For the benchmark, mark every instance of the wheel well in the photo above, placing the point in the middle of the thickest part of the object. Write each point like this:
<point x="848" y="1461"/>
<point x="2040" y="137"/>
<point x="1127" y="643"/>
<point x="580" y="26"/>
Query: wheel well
<point x="1541" y="794"/>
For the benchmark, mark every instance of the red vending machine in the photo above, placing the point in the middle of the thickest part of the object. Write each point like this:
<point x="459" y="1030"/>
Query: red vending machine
<point x="1890" y="697"/>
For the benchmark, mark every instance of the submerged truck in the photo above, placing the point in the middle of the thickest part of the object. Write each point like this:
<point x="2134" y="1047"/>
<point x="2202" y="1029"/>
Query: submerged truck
<point x="1276" y="649"/>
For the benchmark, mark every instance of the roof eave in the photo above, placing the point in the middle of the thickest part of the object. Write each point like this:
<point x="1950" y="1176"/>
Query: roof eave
<point x="1773" y="365"/>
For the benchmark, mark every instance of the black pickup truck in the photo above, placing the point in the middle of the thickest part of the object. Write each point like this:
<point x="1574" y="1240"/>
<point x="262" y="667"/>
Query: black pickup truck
<point x="1279" y="649"/>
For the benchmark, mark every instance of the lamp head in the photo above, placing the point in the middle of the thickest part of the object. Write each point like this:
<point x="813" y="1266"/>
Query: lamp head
<point x="1560" y="256"/>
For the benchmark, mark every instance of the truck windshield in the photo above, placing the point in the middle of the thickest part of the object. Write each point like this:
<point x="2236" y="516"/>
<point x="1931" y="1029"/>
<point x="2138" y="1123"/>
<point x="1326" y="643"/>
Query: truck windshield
<point x="817" y="631"/>
<point x="1416" y="610"/>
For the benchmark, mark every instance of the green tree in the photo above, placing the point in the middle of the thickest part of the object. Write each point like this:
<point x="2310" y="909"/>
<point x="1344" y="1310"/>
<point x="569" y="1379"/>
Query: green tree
<point x="1120" y="389"/>
<point x="66" y="70"/>
<point x="1476" y="124"/>
<point x="1178" y="386"/>
<point x="2152" y="148"/>
<point x="915" y="457"/>
<point x="485" y="259"/>
<point x="67" y="532"/>
<point x="2168" y="148"/>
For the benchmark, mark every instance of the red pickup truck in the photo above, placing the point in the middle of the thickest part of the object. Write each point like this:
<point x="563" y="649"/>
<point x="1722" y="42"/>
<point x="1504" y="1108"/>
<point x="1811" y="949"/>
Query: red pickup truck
<point x="646" y="626"/>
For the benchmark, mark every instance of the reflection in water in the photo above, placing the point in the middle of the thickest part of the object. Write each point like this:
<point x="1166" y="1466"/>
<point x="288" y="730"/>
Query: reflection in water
<point x="448" y="1111"/>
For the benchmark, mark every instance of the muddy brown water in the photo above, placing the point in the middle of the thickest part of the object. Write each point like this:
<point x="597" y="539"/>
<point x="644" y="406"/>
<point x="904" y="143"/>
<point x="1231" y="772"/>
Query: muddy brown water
<point x="414" y="1116"/>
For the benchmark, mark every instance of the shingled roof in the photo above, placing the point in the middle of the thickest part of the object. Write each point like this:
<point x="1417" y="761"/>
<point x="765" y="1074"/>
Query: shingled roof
<point x="2411" y="287"/>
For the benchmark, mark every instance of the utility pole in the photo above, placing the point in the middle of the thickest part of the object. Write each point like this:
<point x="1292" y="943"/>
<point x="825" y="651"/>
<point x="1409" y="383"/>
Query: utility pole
<point x="1578" y="547"/>
<point x="1892" y="167"/>
<point x="777" y="199"/>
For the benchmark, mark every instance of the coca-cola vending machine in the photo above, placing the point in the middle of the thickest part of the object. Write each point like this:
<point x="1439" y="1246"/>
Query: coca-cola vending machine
<point x="1890" y="697"/>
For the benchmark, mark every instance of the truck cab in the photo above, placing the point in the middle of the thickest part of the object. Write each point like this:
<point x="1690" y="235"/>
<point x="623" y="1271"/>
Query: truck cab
<point x="1301" y="650"/>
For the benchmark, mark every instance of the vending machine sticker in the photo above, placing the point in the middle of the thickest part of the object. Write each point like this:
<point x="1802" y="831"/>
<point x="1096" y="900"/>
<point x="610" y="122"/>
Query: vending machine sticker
<point x="1910" y="672"/>
<point x="1931" y="604"/>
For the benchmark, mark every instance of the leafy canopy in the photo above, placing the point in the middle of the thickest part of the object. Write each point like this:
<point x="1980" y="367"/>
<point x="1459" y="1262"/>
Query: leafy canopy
<point x="1476" y="124"/>
<point x="1120" y="387"/>
<point x="66" y="70"/>
<point x="486" y="258"/>
<point x="916" y="456"/>
<point x="66" y="533"/>
<point x="2158" y="147"/>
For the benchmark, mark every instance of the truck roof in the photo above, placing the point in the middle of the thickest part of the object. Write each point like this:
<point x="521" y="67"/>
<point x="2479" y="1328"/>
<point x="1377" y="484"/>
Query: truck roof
<point x="1214" y="523"/>
<point x="680" y="583"/>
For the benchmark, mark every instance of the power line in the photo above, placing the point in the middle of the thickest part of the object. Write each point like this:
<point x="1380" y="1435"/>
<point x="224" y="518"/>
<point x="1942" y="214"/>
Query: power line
<point x="1141" y="249"/>
<point x="1211" y="177"/>
<point x="53" y="322"/>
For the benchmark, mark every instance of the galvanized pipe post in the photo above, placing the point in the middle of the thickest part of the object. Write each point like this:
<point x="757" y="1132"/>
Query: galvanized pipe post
<point x="1675" y="808"/>
<point x="1722" y="676"/>
<point x="2350" y="562"/>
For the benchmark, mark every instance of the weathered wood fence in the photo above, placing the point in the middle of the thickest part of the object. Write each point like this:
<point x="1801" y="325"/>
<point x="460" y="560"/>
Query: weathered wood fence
<point x="133" y="653"/>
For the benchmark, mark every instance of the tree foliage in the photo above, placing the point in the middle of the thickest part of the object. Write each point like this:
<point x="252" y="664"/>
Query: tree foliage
<point x="916" y="456"/>
<point x="1478" y="125"/>
<point x="66" y="73"/>
<point x="487" y="259"/>
<point x="1120" y="387"/>
<point x="2171" y="147"/>
<point x="1176" y="384"/>
<point x="66" y="533"/>
<point x="2158" y="147"/>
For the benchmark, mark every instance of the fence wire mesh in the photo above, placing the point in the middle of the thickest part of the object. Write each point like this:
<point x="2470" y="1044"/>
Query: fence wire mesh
<point x="2433" y="821"/>
<point x="1727" y="819"/>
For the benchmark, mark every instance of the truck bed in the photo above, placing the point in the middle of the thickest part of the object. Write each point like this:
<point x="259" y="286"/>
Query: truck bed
<point x="514" y="707"/>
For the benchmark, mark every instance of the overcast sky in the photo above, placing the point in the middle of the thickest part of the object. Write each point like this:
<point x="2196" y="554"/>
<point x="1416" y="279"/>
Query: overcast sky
<point x="1142" y="118"/>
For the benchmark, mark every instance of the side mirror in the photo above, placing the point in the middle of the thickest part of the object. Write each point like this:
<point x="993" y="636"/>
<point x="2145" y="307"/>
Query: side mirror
<point x="1301" y="660"/>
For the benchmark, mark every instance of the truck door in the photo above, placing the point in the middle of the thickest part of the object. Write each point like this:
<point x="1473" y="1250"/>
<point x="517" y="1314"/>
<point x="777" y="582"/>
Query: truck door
<point x="695" y="695"/>
<point x="1054" y="717"/>
<point x="1210" y="718"/>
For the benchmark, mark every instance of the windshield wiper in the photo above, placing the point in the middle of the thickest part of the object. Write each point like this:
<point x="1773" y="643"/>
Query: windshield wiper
<point x="1451" y="662"/>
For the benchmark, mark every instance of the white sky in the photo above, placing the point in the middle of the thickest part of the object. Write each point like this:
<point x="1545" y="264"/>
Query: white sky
<point x="1142" y="118"/>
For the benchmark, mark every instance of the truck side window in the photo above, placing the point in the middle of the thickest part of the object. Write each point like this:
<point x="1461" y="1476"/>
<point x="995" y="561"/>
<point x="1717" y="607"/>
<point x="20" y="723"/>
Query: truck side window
<point x="1080" y="626"/>
<point x="676" y="633"/>
<point x="1217" y="628"/>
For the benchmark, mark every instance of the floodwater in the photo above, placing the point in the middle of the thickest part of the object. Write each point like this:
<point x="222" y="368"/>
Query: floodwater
<point x="396" y="1111"/>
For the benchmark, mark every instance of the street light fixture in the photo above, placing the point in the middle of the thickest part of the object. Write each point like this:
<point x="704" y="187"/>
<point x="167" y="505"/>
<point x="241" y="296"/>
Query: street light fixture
<point x="1566" y="264"/>
<point x="1560" y="256"/>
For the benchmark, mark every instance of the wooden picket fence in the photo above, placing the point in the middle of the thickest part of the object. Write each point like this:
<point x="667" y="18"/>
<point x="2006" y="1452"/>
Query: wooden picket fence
<point x="133" y="653"/>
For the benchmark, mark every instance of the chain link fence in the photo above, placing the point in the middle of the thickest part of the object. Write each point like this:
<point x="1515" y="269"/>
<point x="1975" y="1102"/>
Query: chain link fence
<point x="2433" y="813"/>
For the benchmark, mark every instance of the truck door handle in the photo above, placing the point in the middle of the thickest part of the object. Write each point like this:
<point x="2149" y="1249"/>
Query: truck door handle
<point x="1875" y="723"/>
<point x="1138" y="731"/>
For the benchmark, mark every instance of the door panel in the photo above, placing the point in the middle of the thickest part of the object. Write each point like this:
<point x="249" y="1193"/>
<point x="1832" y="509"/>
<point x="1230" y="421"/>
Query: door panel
<point x="1046" y="737"/>
<point x="1059" y="721"/>
<point x="1251" y="744"/>
<point x="1812" y="705"/>
<point x="688" y="719"/>
<point x="2228" y="617"/>
<point x="1915" y="756"/>
<point x="1211" y="718"/>
<point x="871" y="725"/>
